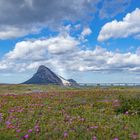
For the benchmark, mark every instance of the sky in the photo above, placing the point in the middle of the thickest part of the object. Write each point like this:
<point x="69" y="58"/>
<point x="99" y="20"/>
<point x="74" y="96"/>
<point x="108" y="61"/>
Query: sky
<point x="91" y="41"/>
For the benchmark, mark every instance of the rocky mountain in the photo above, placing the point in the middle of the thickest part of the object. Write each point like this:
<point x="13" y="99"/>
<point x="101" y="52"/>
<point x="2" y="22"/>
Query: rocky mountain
<point x="45" y="76"/>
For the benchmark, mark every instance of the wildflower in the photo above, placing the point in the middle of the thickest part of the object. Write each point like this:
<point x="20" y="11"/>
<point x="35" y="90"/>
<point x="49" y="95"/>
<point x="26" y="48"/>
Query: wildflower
<point x="126" y="113"/>
<point x="134" y="136"/>
<point x="82" y="119"/>
<point x="30" y="130"/>
<point x="18" y="130"/>
<point x="26" y="136"/>
<point x="94" y="127"/>
<point x="65" y="134"/>
<point x="115" y="139"/>
<point x="94" y="138"/>
<point x="37" y="128"/>
<point x="8" y="123"/>
<point x="116" y="103"/>
<point x="1" y="117"/>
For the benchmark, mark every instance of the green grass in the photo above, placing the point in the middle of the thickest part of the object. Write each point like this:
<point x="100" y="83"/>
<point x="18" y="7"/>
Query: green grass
<point x="57" y="113"/>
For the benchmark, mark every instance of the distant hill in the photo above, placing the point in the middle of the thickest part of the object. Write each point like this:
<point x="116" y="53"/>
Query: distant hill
<point x="45" y="76"/>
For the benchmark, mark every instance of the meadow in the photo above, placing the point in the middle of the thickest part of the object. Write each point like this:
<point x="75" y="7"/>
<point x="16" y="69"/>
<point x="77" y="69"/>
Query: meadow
<point x="39" y="112"/>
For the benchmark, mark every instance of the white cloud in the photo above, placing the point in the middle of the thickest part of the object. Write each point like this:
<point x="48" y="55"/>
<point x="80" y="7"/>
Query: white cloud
<point x="3" y="66"/>
<point x="62" y="55"/>
<point x="10" y="32"/>
<point x="86" y="31"/>
<point x="26" y="15"/>
<point x="39" y="49"/>
<point x="129" y="26"/>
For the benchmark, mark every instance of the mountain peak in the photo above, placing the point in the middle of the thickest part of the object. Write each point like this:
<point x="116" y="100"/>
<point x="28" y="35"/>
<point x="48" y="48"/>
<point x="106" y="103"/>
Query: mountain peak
<point x="45" y="76"/>
<point x="43" y="68"/>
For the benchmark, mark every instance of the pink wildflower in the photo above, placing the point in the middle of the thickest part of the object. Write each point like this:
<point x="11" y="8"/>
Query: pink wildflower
<point x="134" y="136"/>
<point x="82" y="119"/>
<point x="126" y="113"/>
<point x="37" y="128"/>
<point x="115" y="139"/>
<point x="94" y="138"/>
<point x="30" y="130"/>
<point x="65" y="134"/>
<point x="1" y="117"/>
<point x="18" y="130"/>
<point x="26" y="136"/>
<point x="94" y="127"/>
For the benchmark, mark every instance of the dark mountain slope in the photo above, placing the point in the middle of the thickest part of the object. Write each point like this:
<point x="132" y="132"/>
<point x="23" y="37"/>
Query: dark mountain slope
<point x="44" y="76"/>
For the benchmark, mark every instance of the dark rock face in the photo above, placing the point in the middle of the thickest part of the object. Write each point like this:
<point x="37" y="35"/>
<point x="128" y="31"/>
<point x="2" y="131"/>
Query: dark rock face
<point x="44" y="76"/>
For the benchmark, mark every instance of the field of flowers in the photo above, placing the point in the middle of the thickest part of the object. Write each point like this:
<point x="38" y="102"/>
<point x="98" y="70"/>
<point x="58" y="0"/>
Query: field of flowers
<point x="57" y="113"/>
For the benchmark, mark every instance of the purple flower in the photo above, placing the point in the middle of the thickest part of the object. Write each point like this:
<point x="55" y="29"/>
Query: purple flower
<point x="18" y="130"/>
<point x="37" y="128"/>
<point x="8" y="122"/>
<point x="30" y="130"/>
<point x="26" y="136"/>
<point x="65" y="134"/>
<point x="0" y="117"/>
<point x="126" y="113"/>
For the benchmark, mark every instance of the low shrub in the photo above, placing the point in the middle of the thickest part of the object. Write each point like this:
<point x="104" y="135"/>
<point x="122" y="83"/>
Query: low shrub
<point x="129" y="105"/>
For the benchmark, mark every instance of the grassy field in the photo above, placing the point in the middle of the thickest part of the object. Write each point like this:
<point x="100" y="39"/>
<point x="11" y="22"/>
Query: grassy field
<point x="55" y="113"/>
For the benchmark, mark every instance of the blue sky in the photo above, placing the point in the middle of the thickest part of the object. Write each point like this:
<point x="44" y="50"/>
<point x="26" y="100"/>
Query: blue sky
<point x="88" y="40"/>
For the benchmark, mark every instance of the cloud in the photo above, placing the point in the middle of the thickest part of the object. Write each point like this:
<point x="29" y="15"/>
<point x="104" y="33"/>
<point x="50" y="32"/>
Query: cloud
<point x="86" y="32"/>
<point x="33" y="11"/>
<point x="8" y="32"/>
<point x="3" y="65"/>
<point x="37" y="49"/>
<point x="63" y="55"/>
<point x="27" y="15"/>
<point x="129" y="26"/>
